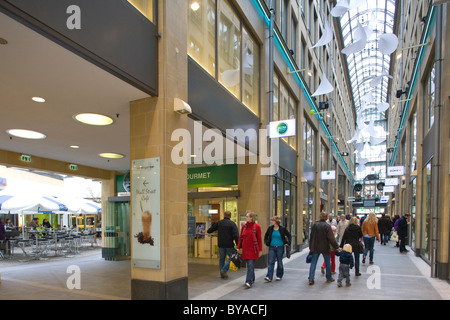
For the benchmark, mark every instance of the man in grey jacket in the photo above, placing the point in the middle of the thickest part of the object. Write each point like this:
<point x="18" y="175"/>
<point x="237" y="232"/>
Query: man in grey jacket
<point x="320" y="241"/>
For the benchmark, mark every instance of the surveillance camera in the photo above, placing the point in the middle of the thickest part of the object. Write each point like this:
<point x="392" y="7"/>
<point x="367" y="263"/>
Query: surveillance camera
<point x="181" y="107"/>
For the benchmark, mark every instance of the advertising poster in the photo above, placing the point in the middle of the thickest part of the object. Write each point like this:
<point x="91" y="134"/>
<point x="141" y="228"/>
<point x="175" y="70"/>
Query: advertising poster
<point x="146" y="217"/>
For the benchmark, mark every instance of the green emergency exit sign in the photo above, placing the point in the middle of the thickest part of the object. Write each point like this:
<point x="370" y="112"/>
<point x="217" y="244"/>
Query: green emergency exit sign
<point x="25" y="158"/>
<point x="73" y="167"/>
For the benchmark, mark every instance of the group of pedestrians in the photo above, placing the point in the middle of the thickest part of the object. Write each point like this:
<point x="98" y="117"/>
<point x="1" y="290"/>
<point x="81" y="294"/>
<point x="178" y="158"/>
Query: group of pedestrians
<point x="355" y="238"/>
<point x="249" y="244"/>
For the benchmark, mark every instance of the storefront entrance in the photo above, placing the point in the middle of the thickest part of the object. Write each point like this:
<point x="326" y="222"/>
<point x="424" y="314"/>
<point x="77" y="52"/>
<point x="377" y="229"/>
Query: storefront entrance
<point x="212" y="190"/>
<point x="202" y="214"/>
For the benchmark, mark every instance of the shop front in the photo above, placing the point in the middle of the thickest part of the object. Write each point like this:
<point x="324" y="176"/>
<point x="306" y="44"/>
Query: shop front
<point x="212" y="190"/>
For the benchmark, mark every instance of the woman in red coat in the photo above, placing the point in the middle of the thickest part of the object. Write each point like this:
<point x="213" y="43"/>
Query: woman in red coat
<point x="250" y="244"/>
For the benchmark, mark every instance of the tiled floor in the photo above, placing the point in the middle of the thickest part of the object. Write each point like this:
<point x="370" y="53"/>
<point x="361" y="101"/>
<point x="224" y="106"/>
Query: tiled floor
<point x="392" y="276"/>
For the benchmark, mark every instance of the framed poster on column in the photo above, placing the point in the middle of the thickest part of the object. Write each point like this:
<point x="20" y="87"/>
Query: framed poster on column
<point x="146" y="216"/>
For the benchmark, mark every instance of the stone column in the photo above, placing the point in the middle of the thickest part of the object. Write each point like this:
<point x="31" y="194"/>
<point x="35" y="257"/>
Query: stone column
<point x="152" y="121"/>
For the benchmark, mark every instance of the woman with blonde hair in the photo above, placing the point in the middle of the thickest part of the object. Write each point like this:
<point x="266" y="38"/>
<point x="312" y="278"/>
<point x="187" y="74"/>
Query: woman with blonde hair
<point x="276" y="238"/>
<point x="250" y="245"/>
<point x="352" y="235"/>
<point x="370" y="232"/>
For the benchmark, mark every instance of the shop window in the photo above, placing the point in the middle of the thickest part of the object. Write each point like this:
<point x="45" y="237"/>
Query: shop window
<point x="429" y="97"/>
<point x="285" y="200"/>
<point x="250" y="63"/>
<point x="284" y="107"/>
<point x="425" y="245"/>
<point x="308" y="142"/>
<point x="232" y="58"/>
<point x="201" y="33"/>
<point x="229" y="43"/>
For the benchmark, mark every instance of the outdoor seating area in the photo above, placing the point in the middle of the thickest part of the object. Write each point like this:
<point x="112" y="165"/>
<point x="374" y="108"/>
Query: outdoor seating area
<point x="25" y="239"/>
<point x="45" y="244"/>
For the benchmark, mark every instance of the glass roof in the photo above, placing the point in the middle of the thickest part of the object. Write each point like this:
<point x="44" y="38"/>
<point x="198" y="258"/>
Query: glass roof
<point x="368" y="63"/>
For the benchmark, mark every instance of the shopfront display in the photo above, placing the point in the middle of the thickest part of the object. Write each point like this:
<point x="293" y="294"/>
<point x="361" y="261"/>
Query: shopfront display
<point x="285" y="200"/>
<point x="212" y="191"/>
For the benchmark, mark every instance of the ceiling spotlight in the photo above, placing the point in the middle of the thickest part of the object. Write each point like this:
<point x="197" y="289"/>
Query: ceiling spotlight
<point x="75" y="147"/>
<point x="94" y="119"/>
<point x="195" y="6"/>
<point x="111" y="155"/>
<point x="26" y="134"/>
<point x="38" y="99"/>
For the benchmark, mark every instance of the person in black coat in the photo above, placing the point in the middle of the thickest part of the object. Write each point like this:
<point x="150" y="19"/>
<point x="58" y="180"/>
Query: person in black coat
<point x="352" y="236"/>
<point x="384" y="227"/>
<point x="402" y="231"/>
<point x="227" y="238"/>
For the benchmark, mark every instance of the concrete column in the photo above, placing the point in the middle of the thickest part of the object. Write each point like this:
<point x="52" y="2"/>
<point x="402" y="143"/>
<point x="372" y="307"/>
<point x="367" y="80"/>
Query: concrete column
<point x="152" y="122"/>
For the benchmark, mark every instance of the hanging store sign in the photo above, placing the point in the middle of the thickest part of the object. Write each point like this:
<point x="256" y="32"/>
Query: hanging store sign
<point x="328" y="175"/>
<point x="389" y="189"/>
<point x="395" y="171"/>
<point x="280" y="129"/>
<point x="391" y="182"/>
<point x="146" y="215"/>
<point x="213" y="176"/>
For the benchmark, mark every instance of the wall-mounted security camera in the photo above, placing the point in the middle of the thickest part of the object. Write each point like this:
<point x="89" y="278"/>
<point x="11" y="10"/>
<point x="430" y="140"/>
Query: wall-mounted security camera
<point x="181" y="107"/>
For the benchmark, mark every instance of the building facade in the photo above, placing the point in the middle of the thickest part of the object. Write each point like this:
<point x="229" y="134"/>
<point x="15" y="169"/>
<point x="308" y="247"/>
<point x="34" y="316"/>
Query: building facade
<point x="206" y="67"/>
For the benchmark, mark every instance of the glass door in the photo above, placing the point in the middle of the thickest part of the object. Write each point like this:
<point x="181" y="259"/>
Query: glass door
<point x="202" y="214"/>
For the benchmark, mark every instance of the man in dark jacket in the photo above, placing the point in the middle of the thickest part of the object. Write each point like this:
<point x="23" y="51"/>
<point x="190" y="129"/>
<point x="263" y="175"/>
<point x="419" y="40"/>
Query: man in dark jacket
<point x="402" y="231"/>
<point x="384" y="227"/>
<point x="321" y="240"/>
<point x="228" y="236"/>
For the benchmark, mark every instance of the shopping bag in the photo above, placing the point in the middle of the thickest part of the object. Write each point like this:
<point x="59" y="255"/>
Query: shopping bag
<point x="233" y="266"/>
<point x="394" y="236"/>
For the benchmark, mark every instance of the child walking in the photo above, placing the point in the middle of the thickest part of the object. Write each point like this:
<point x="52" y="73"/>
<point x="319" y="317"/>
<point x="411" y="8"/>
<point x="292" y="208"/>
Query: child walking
<point x="346" y="263"/>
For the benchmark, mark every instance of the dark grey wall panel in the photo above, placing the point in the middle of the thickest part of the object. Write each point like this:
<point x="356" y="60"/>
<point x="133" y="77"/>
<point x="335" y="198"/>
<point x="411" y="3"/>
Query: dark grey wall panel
<point x="113" y="35"/>
<point x="288" y="157"/>
<point x="428" y="146"/>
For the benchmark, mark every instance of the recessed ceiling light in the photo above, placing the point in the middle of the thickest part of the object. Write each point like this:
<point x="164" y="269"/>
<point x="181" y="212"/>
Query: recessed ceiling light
<point x="38" y="99"/>
<point x="94" y="119"/>
<point x="195" y="6"/>
<point x="110" y="155"/>
<point x="26" y="134"/>
<point x="75" y="147"/>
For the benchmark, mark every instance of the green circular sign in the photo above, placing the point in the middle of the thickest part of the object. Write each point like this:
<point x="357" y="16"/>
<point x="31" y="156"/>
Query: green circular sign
<point x="282" y="128"/>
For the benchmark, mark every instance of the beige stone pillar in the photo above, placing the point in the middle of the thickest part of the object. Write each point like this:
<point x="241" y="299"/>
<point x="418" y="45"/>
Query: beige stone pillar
<point x="152" y="122"/>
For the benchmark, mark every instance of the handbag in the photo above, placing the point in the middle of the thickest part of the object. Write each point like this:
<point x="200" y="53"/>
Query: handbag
<point x="236" y="260"/>
<point x="309" y="257"/>
<point x="288" y="251"/>
<point x="361" y="247"/>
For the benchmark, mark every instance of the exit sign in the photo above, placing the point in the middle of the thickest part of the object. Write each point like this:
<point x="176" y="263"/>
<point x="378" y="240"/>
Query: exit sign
<point x="25" y="158"/>
<point x="73" y="167"/>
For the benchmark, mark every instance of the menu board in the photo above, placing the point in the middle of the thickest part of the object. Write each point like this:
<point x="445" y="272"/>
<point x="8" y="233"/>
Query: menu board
<point x="146" y="215"/>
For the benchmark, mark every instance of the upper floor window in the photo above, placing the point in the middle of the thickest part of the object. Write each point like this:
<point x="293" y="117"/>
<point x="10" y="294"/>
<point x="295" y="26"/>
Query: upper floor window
<point x="224" y="47"/>
<point x="429" y="96"/>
